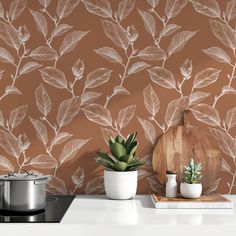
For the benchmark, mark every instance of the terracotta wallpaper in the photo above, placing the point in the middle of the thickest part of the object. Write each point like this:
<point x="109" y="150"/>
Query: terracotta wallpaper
<point x="73" y="72"/>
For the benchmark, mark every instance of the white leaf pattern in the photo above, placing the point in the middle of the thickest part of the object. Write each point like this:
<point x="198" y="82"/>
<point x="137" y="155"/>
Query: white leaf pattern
<point x="68" y="109"/>
<point x="65" y="7"/>
<point x="174" y="111"/>
<point x="206" y="114"/>
<point x="125" y="116"/>
<point x="231" y="9"/>
<point x="109" y="54"/>
<point x="41" y="130"/>
<point x="151" y="100"/>
<point x="153" y="3"/>
<point x="60" y="138"/>
<point x="149" y="130"/>
<point x="97" y="77"/>
<point x="197" y="97"/>
<point x="218" y="54"/>
<point x="9" y="35"/>
<point x="89" y="97"/>
<point x="98" y="114"/>
<point x="1" y="10"/>
<point x="169" y="29"/>
<point x="101" y="8"/>
<point x="174" y="7"/>
<point x="116" y="33"/>
<point x="71" y="148"/>
<point x="225" y="142"/>
<point x="29" y="67"/>
<point x="107" y="133"/>
<point x="43" y="53"/>
<point x="149" y="22"/>
<point x="56" y="185"/>
<point x="231" y="118"/>
<point x="78" y="177"/>
<point x="178" y="42"/>
<point x="206" y="77"/>
<point x="16" y="8"/>
<point x="210" y="8"/>
<point x="224" y="33"/>
<point x="5" y="164"/>
<point x="60" y="30"/>
<point x="43" y="161"/>
<point x="17" y="115"/>
<point x="5" y="56"/>
<point x="120" y="90"/>
<point x="137" y="67"/>
<point x="162" y="77"/>
<point x="152" y="53"/>
<point x="41" y="22"/>
<point x="9" y="144"/>
<point x="70" y="41"/>
<point x="95" y="186"/>
<point x="45" y="3"/>
<point x="43" y="101"/>
<point x="12" y="90"/>
<point x="54" y="77"/>
<point x="124" y="8"/>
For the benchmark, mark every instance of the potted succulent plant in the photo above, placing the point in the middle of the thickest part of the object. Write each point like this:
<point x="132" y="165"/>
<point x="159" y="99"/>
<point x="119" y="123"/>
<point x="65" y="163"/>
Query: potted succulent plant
<point x="120" y="175"/>
<point x="191" y="187"/>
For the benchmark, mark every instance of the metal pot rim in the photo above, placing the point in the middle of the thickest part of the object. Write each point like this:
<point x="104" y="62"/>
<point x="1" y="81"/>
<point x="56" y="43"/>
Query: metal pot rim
<point x="23" y="177"/>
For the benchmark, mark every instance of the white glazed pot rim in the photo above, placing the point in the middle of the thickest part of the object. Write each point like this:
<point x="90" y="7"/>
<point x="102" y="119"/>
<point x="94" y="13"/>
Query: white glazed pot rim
<point x="191" y="184"/>
<point x="121" y="171"/>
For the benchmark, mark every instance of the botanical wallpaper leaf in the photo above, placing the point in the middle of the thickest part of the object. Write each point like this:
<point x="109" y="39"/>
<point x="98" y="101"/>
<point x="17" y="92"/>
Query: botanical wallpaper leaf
<point x="73" y="73"/>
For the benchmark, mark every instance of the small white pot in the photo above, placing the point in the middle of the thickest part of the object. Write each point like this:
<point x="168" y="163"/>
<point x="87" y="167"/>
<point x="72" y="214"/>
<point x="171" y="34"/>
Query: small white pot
<point x="191" y="190"/>
<point x="120" y="185"/>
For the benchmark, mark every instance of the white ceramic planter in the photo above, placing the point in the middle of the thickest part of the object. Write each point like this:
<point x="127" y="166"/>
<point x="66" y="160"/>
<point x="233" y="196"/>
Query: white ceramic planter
<point x="120" y="185"/>
<point x="191" y="190"/>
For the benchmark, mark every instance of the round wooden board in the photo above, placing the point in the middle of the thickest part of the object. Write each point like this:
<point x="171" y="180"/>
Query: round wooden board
<point x="177" y="146"/>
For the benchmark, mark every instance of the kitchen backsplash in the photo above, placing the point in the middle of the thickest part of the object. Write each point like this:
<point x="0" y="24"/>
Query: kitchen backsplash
<point x="74" y="72"/>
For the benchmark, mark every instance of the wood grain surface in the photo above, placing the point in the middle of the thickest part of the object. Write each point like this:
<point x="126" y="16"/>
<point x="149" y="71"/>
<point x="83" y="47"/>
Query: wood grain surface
<point x="177" y="146"/>
<point x="203" y="198"/>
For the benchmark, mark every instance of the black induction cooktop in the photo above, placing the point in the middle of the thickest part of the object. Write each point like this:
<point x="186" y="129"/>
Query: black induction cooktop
<point x="56" y="207"/>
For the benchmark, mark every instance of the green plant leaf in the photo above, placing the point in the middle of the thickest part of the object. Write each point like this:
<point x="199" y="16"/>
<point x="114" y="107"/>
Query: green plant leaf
<point x="105" y="157"/>
<point x="126" y="158"/>
<point x="120" y="140"/>
<point x="117" y="150"/>
<point x="130" y="139"/>
<point x="105" y="164"/>
<point x="120" y="166"/>
<point x="132" y="147"/>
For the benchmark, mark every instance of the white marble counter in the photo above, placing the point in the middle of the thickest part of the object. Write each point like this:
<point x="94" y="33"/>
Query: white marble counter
<point x="96" y="215"/>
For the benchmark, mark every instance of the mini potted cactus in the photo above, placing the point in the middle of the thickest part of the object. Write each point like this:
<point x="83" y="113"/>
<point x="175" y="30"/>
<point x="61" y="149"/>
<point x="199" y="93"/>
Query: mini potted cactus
<point x="120" y="175"/>
<point x="191" y="187"/>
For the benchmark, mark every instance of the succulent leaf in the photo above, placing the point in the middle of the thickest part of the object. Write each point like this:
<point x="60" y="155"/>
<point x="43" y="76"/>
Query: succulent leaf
<point x="123" y="151"/>
<point x="105" y="157"/>
<point x="192" y="173"/>
<point x="127" y="158"/>
<point x="120" y="166"/>
<point x="117" y="150"/>
<point x="130" y="139"/>
<point x="120" y="140"/>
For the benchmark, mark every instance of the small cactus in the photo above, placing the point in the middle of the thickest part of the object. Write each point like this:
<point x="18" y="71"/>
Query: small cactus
<point x="123" y="154"/>
<point x="192" y="173"/>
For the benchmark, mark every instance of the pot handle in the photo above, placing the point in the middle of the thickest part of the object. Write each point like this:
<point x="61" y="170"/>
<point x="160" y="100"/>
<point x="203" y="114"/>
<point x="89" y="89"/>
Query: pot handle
<point x="38" y="182"/>
<point x="14" y="172"/>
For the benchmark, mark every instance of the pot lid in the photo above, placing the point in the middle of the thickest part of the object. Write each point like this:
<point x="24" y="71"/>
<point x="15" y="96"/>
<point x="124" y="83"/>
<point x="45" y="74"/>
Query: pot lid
<point x="25" y="176"/>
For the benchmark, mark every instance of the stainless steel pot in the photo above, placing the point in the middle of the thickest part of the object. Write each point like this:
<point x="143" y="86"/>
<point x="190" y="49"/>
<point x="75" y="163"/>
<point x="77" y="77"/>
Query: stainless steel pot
<point x="23" y="192"/>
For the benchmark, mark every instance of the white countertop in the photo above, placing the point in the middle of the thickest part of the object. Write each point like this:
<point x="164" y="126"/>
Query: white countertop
<point x="97" y="215"/>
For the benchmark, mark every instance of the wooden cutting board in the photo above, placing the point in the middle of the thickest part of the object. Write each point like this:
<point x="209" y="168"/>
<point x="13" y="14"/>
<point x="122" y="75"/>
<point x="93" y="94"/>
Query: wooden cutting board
<point x="177" y="146"/>
<point x="213" y="201"/>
